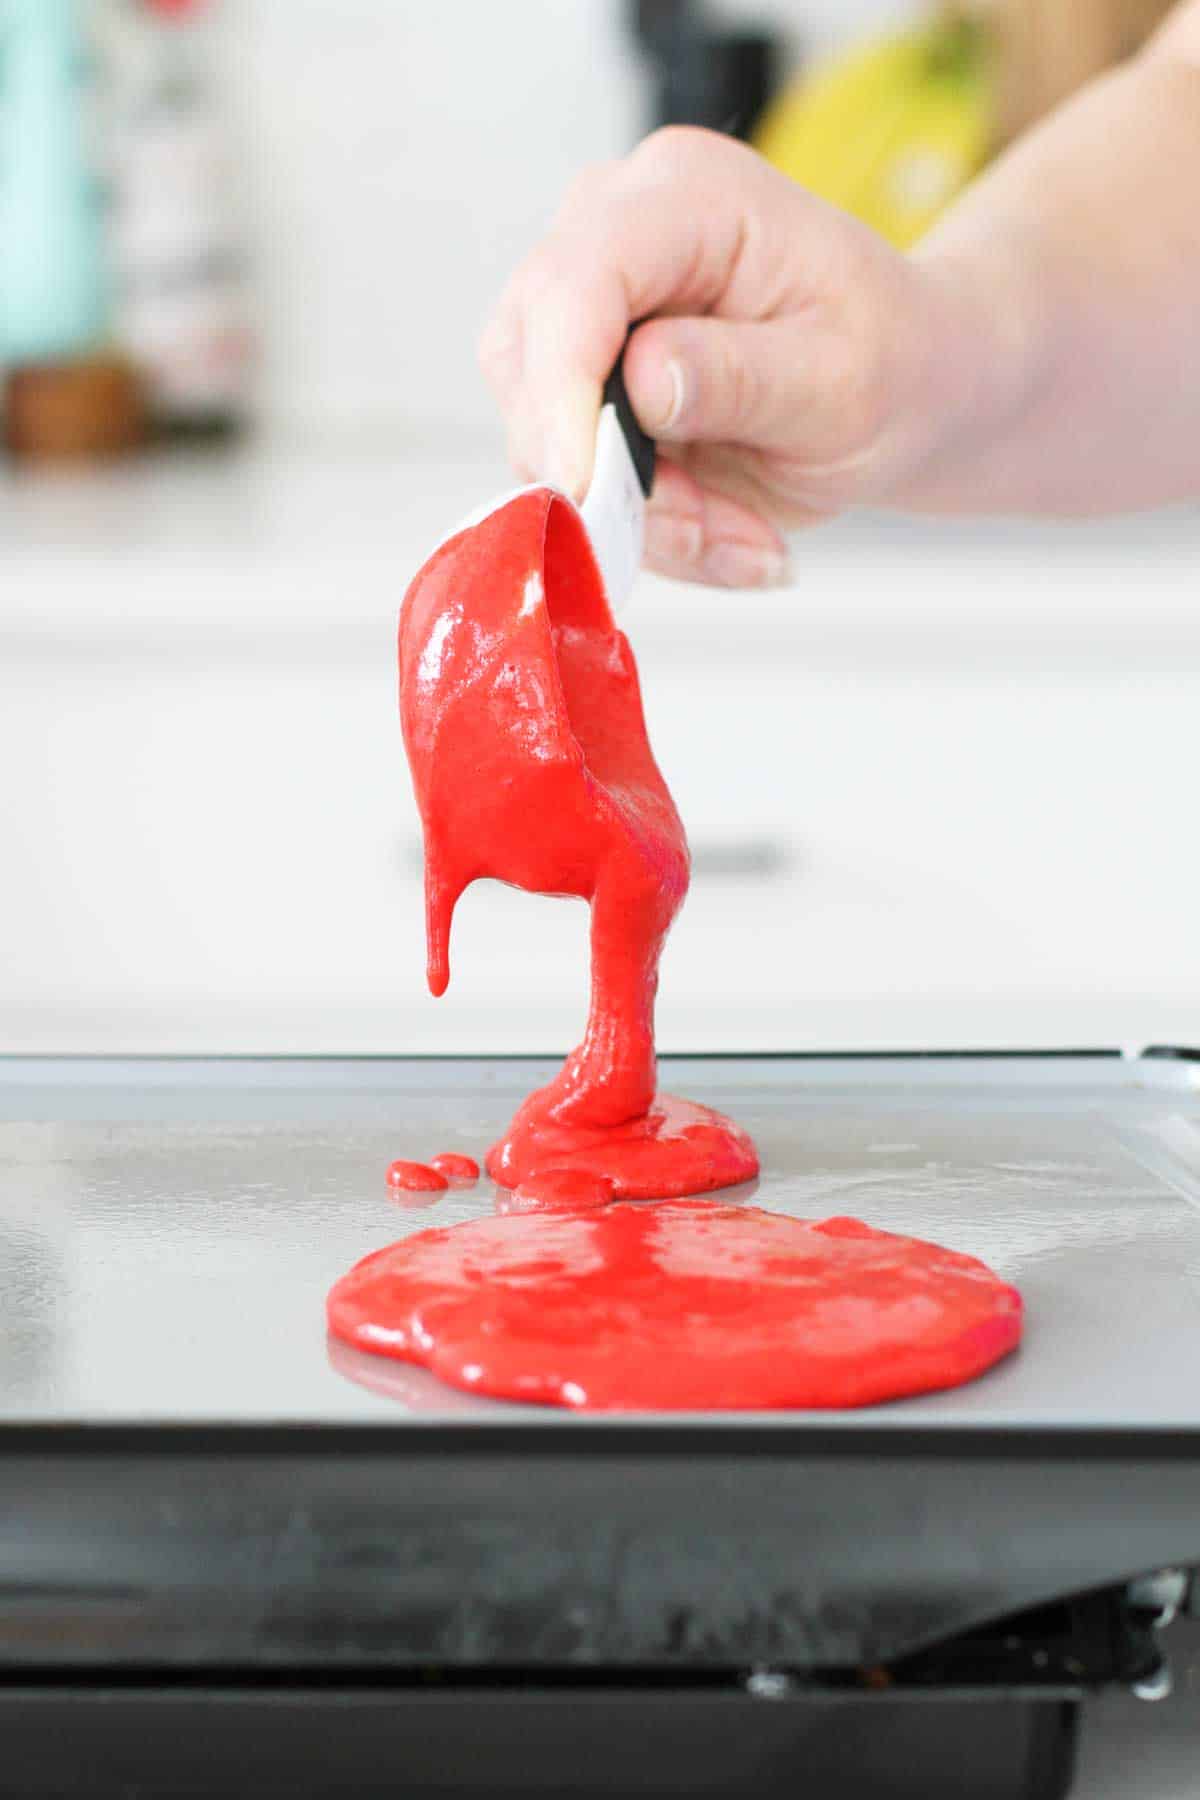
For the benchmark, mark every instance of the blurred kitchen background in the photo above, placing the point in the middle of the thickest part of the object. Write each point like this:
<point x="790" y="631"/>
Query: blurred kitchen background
<point x="940" y="793"/>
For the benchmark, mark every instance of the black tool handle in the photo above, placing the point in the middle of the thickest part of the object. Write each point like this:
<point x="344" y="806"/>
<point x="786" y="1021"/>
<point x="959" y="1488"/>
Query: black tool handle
<point x="641" y="446"/>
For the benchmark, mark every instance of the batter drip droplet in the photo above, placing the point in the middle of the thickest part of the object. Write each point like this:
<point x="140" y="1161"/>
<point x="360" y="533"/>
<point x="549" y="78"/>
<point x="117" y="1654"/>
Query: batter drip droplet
<point x="415" y="1178"/>
<point x="459" y="1171"/>
<point x="557" y="1191"/>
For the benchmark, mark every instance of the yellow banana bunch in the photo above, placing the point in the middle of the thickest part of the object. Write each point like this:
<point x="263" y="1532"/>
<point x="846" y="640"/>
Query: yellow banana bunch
<point x="893" y="131"/>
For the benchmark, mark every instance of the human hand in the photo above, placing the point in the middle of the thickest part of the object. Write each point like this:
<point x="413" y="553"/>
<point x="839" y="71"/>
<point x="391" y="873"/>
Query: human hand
<point x="792" y="363"/>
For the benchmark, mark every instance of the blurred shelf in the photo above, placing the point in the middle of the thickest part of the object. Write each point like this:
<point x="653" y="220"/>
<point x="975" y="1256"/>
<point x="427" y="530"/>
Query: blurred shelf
<point x="326" y="542"/>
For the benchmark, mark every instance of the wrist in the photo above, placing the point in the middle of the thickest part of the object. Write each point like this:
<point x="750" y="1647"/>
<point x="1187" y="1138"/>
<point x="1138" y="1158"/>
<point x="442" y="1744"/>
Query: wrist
<point x="979" y="359"/>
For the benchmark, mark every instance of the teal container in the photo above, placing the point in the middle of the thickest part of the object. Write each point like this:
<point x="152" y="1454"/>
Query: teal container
<point x="53" y="289"/>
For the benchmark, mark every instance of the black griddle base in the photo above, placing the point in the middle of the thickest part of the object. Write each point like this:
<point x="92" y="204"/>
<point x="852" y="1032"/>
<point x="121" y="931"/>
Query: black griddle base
<point x="522" y="1550"/>
<point x="331" y="1743"/>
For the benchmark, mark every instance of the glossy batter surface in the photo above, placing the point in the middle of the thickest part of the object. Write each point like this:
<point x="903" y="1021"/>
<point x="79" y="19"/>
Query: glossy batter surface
<point x="526" y="740"/>
<point x="686" y="1305"/>
<point x="678" y="1147"/>
<point x="458" y="1170"/>
<point x="415" y="1178"/>
<point x="556" y="1190"/>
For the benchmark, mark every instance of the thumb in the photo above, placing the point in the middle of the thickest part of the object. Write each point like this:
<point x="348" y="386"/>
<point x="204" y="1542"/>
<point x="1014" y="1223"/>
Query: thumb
<point x="711" y="380"/>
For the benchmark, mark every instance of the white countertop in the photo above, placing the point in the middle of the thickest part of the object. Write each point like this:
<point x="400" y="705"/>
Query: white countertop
<point x="313" y="535"/>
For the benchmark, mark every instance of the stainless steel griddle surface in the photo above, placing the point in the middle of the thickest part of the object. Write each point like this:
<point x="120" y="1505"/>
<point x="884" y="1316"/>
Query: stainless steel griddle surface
<point x="168" y="1229"/>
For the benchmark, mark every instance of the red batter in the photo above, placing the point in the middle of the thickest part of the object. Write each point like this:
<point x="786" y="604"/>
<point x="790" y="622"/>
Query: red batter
<point x="416" y="1178"/>
<point x="524" y="729"/>
<point x="687" y="1305"/>
<point x="523" y="724"/>
<point x="459" y="1171"/>
<point x="557" y="1190"/>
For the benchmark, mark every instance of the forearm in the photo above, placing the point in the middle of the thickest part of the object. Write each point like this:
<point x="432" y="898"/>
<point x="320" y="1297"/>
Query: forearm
<point x="1039" y="353"/>
<point x="1066" y="371"/>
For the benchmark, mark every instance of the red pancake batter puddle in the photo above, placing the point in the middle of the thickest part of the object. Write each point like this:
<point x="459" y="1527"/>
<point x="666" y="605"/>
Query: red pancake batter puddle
<point x="687" y="1305"/>
<point x="523" y="723"/>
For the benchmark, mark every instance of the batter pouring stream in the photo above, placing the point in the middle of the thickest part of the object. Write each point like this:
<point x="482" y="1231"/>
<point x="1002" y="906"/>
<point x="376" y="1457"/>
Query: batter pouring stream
<point x="527" y="743"/>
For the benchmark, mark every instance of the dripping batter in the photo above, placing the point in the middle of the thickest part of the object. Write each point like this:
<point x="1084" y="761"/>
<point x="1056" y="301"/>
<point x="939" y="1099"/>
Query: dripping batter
<point x="523" y="724"/>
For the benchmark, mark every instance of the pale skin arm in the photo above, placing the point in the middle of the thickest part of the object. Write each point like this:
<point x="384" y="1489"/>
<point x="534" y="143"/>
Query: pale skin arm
<point x="1039" y="353"/>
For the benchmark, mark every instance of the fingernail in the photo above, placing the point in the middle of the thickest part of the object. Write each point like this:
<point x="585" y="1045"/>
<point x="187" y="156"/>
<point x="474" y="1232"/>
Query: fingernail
<point x="671" y="538"/>
<point x="663" y="393"/>
<point x="562" y="468"/>
<point x="745" y="566"/>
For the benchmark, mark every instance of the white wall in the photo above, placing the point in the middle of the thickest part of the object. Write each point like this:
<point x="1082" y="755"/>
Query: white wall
<point x="817" y="23"/>
<point x="398" y="160"/>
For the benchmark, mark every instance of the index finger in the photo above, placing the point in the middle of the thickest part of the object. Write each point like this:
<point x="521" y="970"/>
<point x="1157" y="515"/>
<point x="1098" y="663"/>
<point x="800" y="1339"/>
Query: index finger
<point x="635" y="239"/>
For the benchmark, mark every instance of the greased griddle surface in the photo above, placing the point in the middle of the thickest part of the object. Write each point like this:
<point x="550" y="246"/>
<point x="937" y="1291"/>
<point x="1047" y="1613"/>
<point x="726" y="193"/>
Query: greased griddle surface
<point x="141" y="1203"/>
